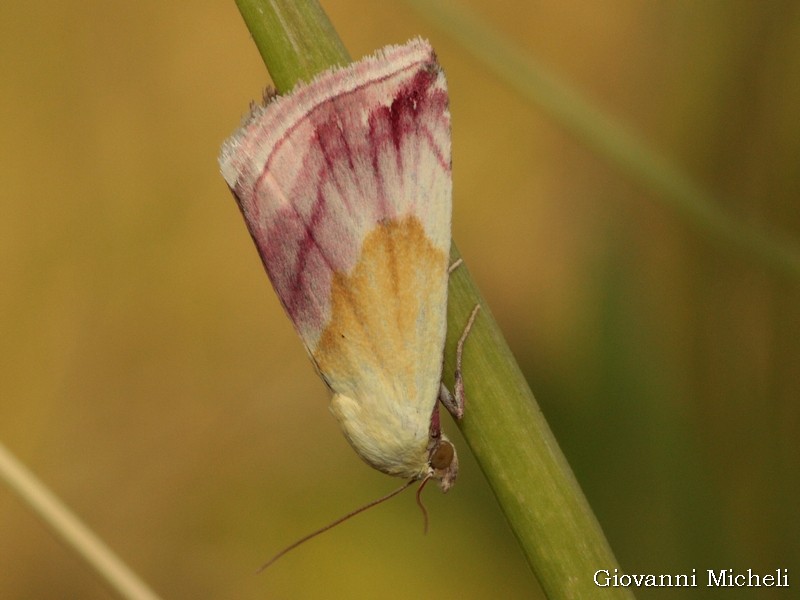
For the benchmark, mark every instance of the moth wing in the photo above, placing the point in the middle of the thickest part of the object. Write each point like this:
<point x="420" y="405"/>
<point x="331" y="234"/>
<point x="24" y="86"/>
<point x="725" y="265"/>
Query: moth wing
<point x="346" y="190"/>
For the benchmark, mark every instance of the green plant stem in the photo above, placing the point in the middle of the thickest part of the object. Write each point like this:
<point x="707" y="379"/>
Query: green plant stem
<point x="521" y="459"/>
<point x="295" y="39"/>
<point x="671" y="185"/>
<point x="503" y="426"/>
<point x="71" y="530"/>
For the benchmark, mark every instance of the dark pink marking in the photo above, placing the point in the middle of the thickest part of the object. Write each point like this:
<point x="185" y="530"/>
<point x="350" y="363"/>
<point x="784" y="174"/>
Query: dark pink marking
<point x="412" y="106"/>
<point x="334" y="147"/>
<point x="296" y="301"/>
<point x="304" y="242"/>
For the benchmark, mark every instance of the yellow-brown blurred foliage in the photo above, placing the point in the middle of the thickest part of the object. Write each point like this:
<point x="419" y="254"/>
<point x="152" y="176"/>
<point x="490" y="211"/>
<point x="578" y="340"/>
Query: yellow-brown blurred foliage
<point x="149" y="376"/>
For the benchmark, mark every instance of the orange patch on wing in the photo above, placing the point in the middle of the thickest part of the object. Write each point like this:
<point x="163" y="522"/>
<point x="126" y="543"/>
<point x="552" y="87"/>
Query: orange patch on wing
<point x="387" y="316"/>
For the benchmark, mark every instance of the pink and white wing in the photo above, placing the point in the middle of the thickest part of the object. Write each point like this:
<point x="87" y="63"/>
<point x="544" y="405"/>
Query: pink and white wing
<point x="345" y="187"/>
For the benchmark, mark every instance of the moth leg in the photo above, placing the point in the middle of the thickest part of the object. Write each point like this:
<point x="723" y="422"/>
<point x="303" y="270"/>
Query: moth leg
<point x="454" y="402"/>
<point x="436" y="427"/>
<point x="455" y="265"/>
<point x="446" y="398"/>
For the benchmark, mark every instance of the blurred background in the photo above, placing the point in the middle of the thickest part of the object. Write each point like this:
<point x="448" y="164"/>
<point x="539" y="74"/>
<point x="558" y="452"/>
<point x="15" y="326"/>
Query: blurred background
<point x="150" y="377"/>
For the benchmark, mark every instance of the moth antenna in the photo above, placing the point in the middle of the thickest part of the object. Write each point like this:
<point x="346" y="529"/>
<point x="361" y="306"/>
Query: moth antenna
<point x="361" y="509"/>
<point x="421" y="505"/>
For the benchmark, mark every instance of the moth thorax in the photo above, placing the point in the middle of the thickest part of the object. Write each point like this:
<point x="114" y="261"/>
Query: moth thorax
<point x="444" y="464"/>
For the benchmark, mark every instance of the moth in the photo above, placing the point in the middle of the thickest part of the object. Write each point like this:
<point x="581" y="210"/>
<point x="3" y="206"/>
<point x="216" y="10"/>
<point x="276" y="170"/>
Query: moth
<point x="345" y="187"/>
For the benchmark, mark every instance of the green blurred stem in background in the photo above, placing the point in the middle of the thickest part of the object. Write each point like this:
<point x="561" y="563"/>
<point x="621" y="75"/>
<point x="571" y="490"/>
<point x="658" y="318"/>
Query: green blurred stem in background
<point x="670" y="184"/>
<point x="507" y="433"/>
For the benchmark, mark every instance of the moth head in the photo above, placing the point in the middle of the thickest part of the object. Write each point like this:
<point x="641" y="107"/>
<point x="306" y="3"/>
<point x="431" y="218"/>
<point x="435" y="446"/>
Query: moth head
<point x="443" y="463"/>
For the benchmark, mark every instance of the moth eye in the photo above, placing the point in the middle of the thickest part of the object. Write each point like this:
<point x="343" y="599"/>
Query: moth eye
<point x="442" y="456"/>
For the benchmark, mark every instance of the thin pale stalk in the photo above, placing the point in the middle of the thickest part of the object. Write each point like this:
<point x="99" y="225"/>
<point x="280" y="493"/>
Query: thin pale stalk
<point x="71" y="530"/>
<point x="503" y="426"/>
